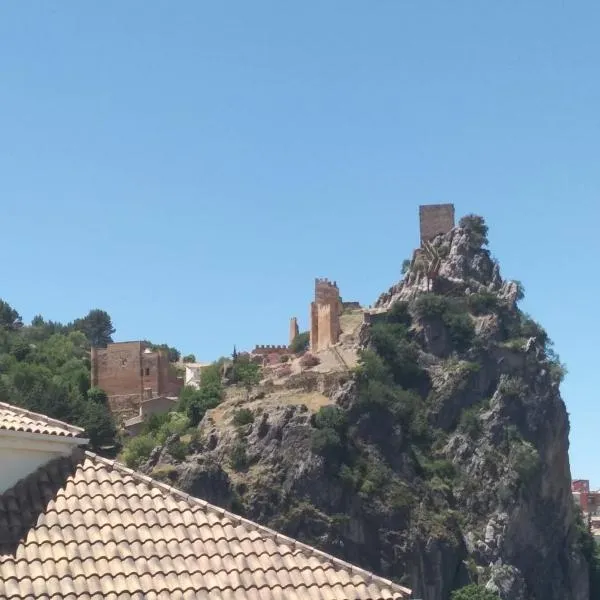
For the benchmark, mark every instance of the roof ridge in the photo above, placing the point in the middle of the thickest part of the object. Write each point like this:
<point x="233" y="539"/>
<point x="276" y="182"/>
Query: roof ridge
<point x="277" y="537"/>
<point x="44" y="418"/>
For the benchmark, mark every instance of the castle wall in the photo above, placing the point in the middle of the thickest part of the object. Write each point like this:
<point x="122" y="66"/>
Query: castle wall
<point x="265" y="350"/>
<point x="435" y="219"/>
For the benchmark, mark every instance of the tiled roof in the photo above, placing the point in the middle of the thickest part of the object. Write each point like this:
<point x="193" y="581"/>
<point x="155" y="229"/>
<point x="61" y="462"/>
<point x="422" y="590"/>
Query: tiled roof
<point x="89" y="528"/>
<point x="14" y="418"/>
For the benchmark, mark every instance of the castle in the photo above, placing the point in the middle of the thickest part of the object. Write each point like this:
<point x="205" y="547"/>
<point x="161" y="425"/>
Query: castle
<point x="134" y="375"/>
<point x="131" y="373"/>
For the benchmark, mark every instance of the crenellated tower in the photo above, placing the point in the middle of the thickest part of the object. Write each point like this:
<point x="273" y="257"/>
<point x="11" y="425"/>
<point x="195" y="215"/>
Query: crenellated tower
<point x="325" y="315"/>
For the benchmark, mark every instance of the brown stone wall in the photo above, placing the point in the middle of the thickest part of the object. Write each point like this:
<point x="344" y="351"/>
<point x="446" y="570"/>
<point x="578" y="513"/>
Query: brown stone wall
<point x="124" y="407"/>
<point x="117" y="368"/>
<point x="325" y="315"/>
<point x="269" y="349"/>
<point x="156" y="405"/>
<point x="293" y="329"/>
<point x="128" y="372"/>
<point x="435" y="219"/>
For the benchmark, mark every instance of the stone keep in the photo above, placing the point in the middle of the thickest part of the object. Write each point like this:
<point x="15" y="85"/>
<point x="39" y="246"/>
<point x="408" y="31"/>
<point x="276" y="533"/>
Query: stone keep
<point x="435" y="219"/>
<point x="325" y="315"/>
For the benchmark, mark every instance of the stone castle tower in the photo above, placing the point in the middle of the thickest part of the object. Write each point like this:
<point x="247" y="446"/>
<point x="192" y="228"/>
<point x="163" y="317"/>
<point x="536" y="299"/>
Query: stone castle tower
<point x="293" y="329"/>
<point x="325" y="315"/>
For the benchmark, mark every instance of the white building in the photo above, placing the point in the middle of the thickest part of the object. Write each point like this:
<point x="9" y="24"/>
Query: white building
<point x="193" y="373"/>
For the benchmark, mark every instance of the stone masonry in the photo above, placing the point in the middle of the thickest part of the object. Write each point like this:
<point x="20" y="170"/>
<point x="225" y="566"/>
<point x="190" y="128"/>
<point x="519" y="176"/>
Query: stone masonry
<point x="293" y="329"/>
<point x="129" y="372"/>
<point x="325" y="315"/>
<point x="435" y="219"/>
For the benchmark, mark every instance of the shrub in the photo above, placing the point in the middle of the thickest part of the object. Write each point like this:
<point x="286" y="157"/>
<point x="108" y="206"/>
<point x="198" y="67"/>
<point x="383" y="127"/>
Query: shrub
<point x="473" y="592"/>
<point x="524" y="459"/>
<point x="238" y="457"/>
<point x="470" y="423"/>
<point x="309" y="360"/>
<point x="283" y="371"/>
<point x="300" y="343"/>
<point x="243" y="416"/>
<point x="95" y="394"/>
<point x="405" y="266"/>
<point x="138" y="450"/>
<point x="284" y="358"/>
<point x="327" y="443"/>
<point x="453" y="315"/>
<point x="332" y="417"/>
<point x="483" y="303"/>
<point x="477" y="228"/>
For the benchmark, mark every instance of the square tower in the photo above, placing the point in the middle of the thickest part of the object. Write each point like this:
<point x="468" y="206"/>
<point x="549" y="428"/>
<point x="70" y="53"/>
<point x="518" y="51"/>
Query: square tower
<point x="435" y="219"/>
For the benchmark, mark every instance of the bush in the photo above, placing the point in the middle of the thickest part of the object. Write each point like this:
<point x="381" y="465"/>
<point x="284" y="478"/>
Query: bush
<point x="300" y="343"/>
<point x="238" y="457"/>
<point x="284" y="358"/>
<point x="309" y="360"/>
<point x="138" y="450"/>
<point x="483" y="303"/>
<point x="95" y="394"/>
<point x="453" y="315"/>
<point x="470" y="423"/>
<point x="332" y="417"/>
<point x="473" y="592"/>
<point x="327" y="443"/>
<point x="477" y="228"/>
<point x="243" y="416"/>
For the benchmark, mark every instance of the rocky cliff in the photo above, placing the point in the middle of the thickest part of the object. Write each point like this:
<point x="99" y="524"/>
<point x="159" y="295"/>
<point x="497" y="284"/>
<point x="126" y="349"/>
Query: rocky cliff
<point x="440" y="461"/>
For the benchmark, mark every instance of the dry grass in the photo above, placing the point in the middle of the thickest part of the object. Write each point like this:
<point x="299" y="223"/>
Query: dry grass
<point x="312" y="400"/>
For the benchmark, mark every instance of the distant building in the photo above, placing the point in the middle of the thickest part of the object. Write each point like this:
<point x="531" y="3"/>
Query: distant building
<point x="193" y="373"/>
<point x="132" y="371"/>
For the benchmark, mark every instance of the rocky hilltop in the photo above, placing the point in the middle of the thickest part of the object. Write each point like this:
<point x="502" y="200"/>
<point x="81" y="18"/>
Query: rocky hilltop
<point x="440" y="460"/>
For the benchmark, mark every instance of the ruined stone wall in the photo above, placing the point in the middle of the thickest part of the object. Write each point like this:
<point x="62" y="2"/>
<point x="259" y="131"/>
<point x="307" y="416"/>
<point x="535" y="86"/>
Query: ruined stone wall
<point x="435" y="219"/>
<point x="124" y="406"/>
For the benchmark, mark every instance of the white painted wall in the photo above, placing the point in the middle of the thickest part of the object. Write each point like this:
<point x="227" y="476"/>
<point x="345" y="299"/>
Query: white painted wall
<point x="22" y="453"/>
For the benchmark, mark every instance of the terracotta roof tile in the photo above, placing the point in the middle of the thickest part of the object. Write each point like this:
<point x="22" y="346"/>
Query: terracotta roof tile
<point x="85" y="528"/>
<point x="14" y="418"/>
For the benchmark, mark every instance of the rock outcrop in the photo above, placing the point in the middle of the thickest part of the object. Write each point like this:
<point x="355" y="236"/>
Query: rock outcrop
<point x="443" y="461"/>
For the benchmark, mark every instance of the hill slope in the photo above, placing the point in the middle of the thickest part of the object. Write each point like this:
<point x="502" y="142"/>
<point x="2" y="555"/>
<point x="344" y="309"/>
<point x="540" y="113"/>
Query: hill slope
<point x="442" y="459"/>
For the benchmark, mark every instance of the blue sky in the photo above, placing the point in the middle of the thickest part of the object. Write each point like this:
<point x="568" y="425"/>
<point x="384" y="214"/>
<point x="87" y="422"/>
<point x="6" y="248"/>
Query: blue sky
<point x="190" y="167"/>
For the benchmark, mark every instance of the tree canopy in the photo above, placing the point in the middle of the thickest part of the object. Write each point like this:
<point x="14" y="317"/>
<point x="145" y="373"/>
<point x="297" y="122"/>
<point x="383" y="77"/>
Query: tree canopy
<point x="45" y="367"/>
<point x="97" y="327"/>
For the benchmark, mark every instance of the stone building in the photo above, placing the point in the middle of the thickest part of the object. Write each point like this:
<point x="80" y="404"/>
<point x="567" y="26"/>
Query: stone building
<point x="325" y="315"/>
<point x="131" y="371"/>
<point x="435" y="219"/>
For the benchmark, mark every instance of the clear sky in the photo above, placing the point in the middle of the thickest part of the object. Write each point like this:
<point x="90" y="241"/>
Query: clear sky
<point x="190" y="166"/>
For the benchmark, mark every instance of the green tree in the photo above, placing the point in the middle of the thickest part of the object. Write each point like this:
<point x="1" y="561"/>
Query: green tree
<point x="246" y="372"/>
<point x="474" y="592"/>
<point x="300" y="343"/>
<point x="189" y="358"/>
<point x="405" y="266"/>
<point x="476" y="226"/>
<point x="97" y="327"/>
<point x="9" y="317"/>
<point x="97" y="395"/>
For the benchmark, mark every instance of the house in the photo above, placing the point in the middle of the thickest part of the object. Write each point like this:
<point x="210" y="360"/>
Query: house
<point x="77" y="526"/>
<point x="152" y="405"/>
<point x="193" y="373"/>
